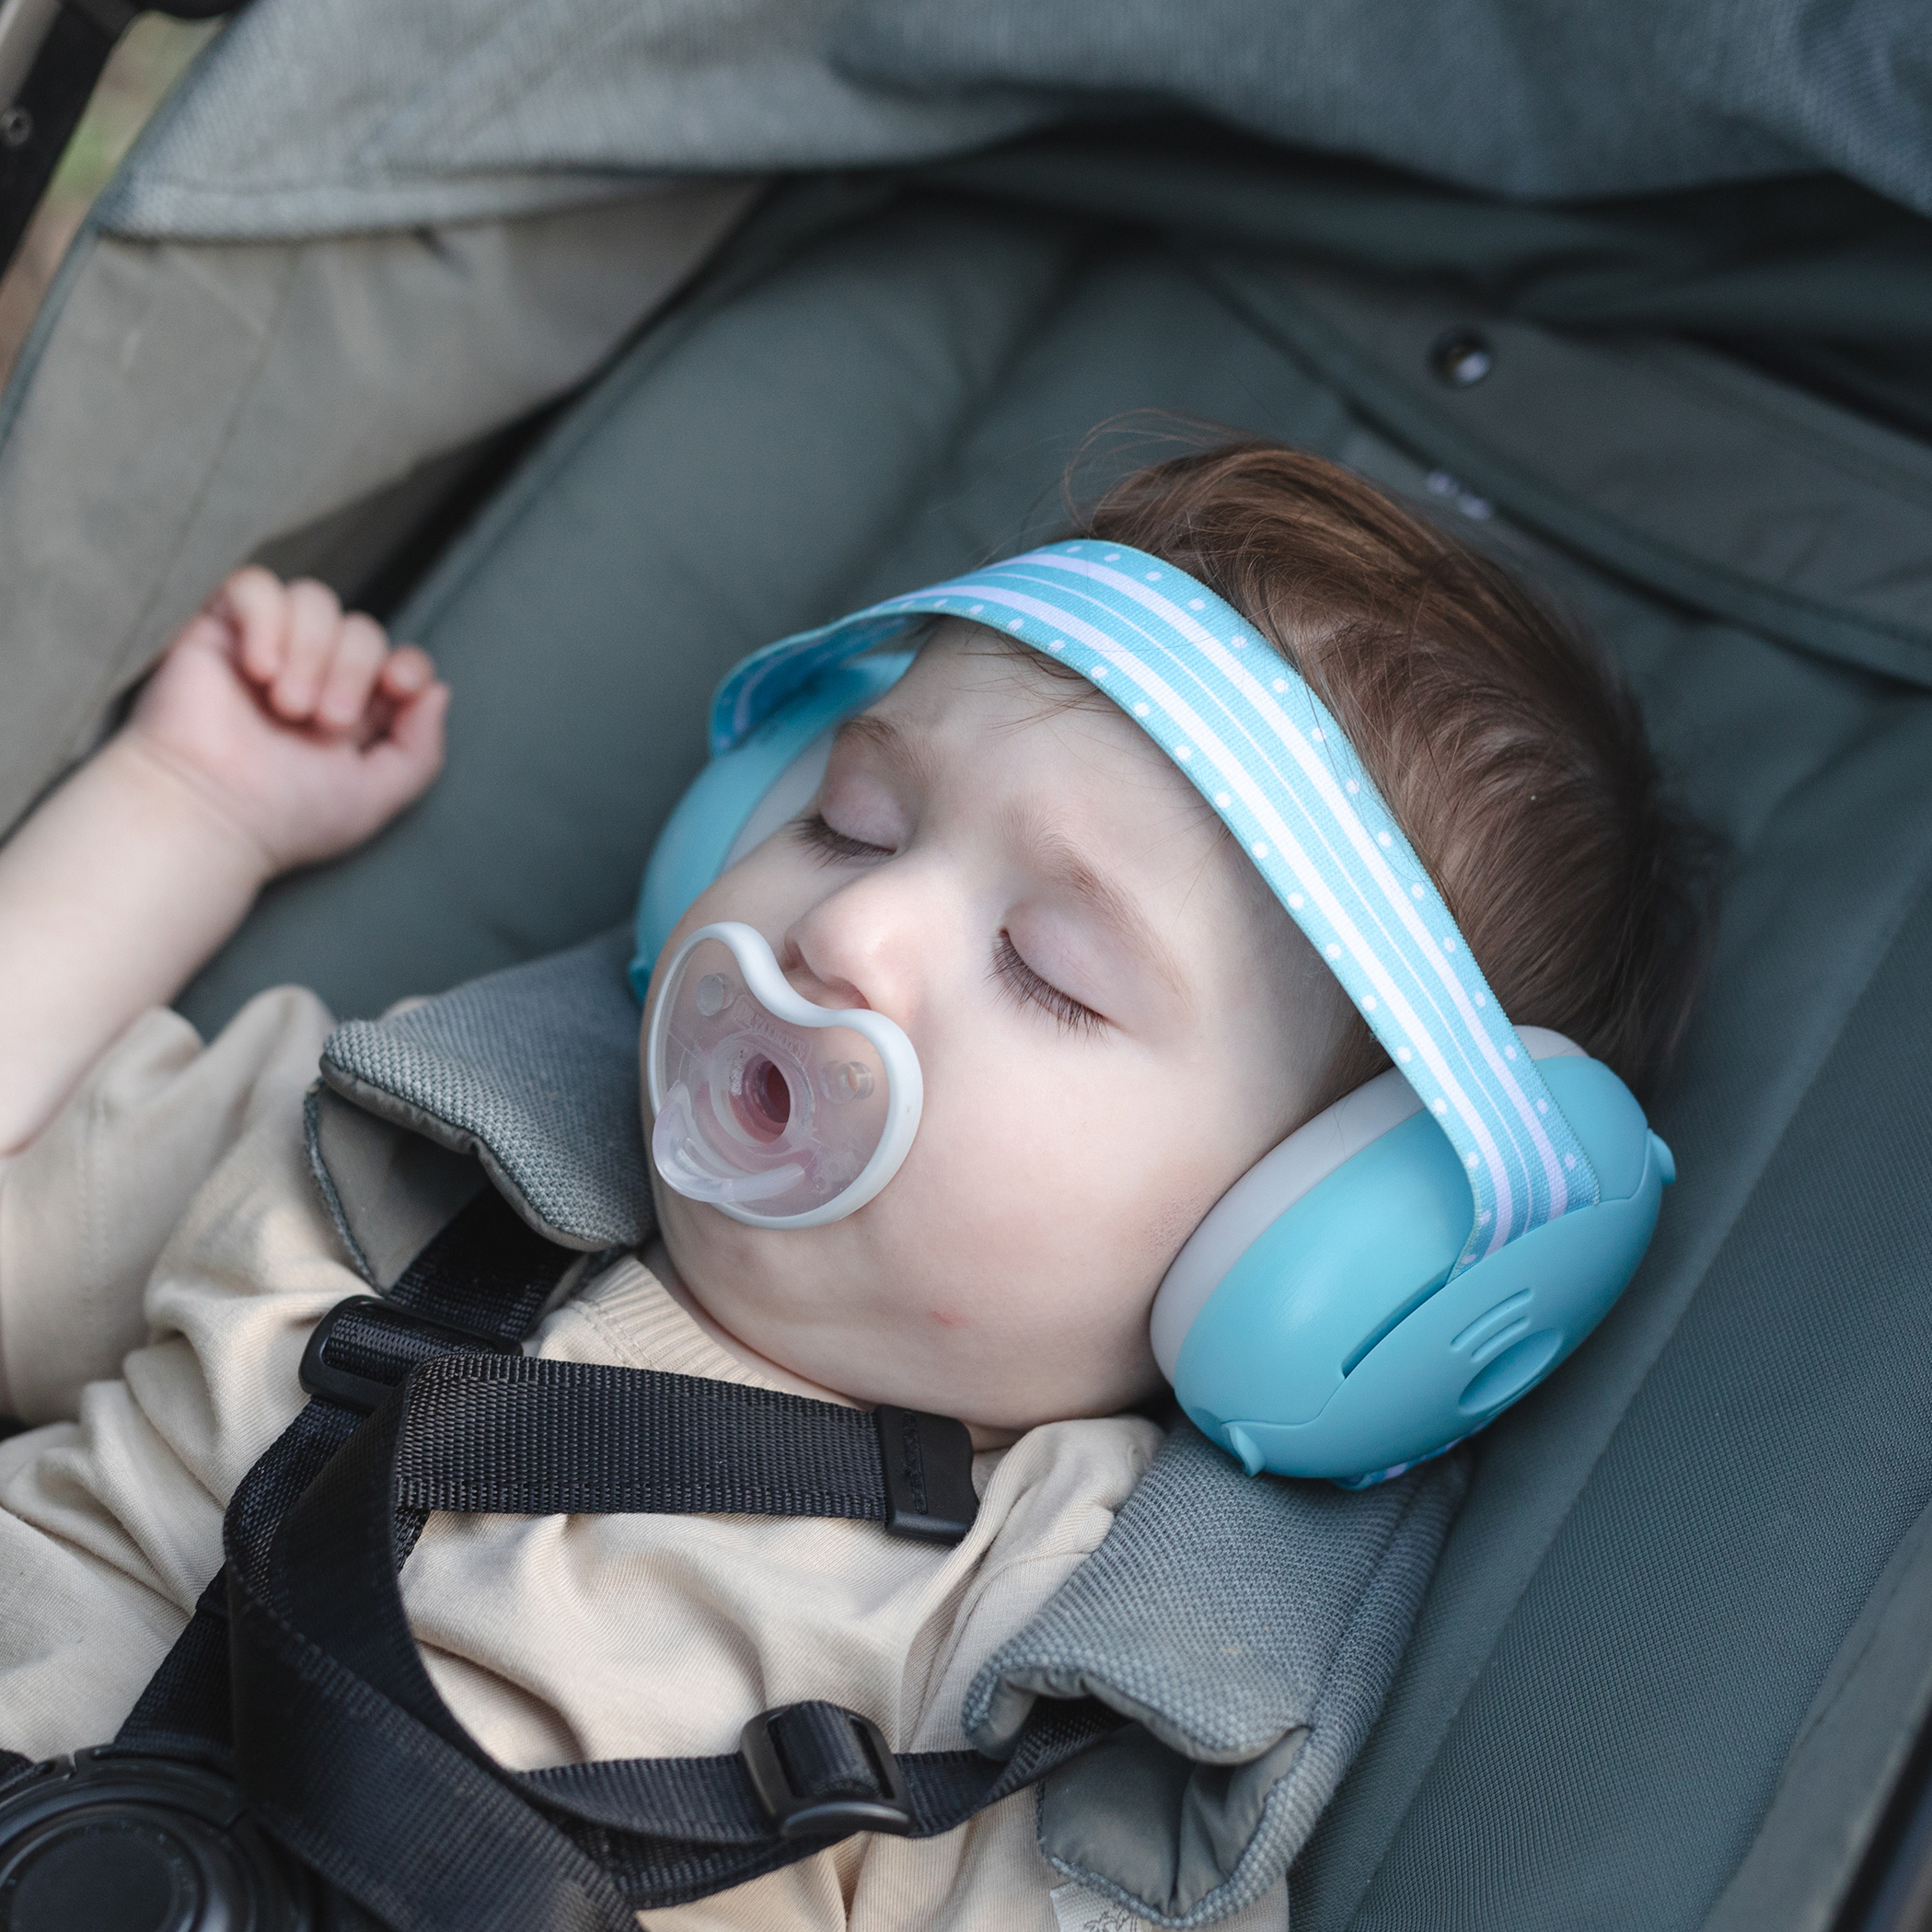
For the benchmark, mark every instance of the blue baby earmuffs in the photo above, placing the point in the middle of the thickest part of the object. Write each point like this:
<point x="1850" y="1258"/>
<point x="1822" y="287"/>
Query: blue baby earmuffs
<point x="1422" y="1253"/>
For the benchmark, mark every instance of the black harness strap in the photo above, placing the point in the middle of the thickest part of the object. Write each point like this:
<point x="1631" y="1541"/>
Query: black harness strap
<point x="326" y="1667"/>
<point x="536" y="1438"/>
<point x="489" y="1273"/>
<point x="184" y="1711"/>
<point x="340" y="1741"/>
<point x="482" y="1282"/>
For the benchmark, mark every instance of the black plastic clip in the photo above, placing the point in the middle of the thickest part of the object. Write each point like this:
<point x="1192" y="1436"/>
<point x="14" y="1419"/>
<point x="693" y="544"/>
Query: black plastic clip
<point x="415" y="1339"/>
<point x="821" y="1771"/>
<point x="928" y="1461"/>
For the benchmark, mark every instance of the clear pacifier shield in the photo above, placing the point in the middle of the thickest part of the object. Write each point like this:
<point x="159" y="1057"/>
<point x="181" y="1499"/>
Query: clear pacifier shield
<point x="778" y="1111"/>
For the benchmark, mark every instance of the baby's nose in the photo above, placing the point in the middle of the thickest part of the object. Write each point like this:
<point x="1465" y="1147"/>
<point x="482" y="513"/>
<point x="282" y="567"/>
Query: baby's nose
<point x="869" y="942"/>
<point x="822" y="988"/>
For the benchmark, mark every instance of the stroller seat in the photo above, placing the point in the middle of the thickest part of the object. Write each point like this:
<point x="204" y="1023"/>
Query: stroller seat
<point x="1675" y="1660"/>
<point x="1676" y="1644"/>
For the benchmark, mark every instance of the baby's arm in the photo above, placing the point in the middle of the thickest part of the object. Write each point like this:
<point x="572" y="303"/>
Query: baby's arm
<point x="276" y="731"/>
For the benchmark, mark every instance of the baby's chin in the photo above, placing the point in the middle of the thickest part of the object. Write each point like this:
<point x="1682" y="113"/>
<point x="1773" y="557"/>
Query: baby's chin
<point x="811" y="1329"/>
<point x="853" y="1310"/>
<point x="760" y="1293"/>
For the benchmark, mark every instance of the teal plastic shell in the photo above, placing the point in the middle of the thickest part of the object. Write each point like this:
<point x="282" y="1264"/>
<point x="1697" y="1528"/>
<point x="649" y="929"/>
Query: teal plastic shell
<point x="1333" y="1348"/>
<point x="718" y="804"/>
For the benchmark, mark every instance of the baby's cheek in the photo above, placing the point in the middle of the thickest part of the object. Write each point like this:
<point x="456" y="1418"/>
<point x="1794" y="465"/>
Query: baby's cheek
<point x="1079" y="1158"/>
<point x="1100" y="1225"/>
<point x="1172" y="1218"/>
<point x="767" y="889"/>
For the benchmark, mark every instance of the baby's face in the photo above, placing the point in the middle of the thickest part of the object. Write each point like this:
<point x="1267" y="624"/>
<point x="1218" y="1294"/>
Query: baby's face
<point x="1113" y="1017"/>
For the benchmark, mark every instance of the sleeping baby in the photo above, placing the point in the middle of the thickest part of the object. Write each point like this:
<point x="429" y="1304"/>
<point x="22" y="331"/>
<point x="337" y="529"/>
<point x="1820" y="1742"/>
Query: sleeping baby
<point x="1113" y="1017"/>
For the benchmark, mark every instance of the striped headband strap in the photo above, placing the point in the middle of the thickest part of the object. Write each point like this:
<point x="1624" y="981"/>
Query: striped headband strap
<point x="1268" y="757"/>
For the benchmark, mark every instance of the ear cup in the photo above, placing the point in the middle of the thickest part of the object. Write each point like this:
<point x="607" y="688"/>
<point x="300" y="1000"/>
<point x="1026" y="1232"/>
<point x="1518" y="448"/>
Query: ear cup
<point x="1310" y="1325"/>
<point x="742" y="795"/>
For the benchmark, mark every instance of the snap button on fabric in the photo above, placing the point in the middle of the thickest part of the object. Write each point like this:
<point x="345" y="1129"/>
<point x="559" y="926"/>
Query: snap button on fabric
<point x="1462" y="357"/>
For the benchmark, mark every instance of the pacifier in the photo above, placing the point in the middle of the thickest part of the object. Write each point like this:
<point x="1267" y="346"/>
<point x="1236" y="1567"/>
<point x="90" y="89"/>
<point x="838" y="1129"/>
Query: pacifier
<point x="779" y="1113"/>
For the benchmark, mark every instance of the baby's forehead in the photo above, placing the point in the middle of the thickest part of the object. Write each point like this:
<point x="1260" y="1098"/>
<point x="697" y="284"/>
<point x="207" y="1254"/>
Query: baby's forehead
<point x="976" y="696"/>
<point x="961" y="665"/>
<point x="1027" y="738"/>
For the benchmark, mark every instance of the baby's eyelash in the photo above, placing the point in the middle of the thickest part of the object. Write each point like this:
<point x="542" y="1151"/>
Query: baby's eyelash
<point x="1019" y="981"/>
<point x="811" y="829"/>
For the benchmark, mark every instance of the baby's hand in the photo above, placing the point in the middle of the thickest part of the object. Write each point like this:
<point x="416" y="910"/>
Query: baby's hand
<point x="300" y="725"/>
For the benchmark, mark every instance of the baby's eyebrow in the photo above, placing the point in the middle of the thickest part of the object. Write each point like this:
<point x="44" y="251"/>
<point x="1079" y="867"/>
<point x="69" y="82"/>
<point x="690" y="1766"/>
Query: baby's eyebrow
<point x="1062" y="863"/>
<point x="906" y="752"/>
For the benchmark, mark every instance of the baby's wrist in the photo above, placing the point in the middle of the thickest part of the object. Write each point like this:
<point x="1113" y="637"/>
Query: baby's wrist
<point x="186" y="804"/>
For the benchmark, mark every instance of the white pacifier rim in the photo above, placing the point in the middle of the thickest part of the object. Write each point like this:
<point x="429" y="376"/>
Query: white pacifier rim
<point x="905" y="1085"/>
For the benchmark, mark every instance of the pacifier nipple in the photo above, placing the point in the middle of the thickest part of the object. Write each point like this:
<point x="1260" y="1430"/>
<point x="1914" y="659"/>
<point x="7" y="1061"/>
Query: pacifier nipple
<point x="762" y="1099"/>
<point x="779" y="1113"/>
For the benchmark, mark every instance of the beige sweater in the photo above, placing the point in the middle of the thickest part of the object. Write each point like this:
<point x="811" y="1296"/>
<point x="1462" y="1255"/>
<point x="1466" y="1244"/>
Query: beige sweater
<point x="162" y="1259"/>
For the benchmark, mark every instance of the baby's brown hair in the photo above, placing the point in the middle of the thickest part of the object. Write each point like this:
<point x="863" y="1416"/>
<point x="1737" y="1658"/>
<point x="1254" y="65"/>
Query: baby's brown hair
<point x="1509" y="752"/>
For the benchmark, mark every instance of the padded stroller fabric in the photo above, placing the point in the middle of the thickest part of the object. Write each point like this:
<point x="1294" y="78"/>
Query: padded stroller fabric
<point x="1249" y="1709"/>
<point x="1665" y="1547"/>
<point x="1249" y="1629"/>
<point x="551" y="1110"/>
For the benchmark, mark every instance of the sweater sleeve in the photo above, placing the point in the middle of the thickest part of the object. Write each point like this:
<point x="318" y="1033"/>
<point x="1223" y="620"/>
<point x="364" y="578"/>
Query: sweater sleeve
<point x="86" y="1208"/>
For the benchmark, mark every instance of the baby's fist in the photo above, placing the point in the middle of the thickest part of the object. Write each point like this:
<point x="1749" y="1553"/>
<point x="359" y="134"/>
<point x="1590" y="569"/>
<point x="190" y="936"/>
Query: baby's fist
<point x="298" y="722"/>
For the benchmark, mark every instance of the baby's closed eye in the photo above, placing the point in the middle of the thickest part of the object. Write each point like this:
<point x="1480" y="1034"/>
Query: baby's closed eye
<point x="1020" y="982"/>
<point x="830" y="846"/>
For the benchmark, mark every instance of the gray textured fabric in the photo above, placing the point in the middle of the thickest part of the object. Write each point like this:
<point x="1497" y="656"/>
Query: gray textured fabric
<point x="323" y="116"/>
<point x="1251" y="1629"/>
<point x="535" y="1072"/>
<point x="1849" y="1750"/>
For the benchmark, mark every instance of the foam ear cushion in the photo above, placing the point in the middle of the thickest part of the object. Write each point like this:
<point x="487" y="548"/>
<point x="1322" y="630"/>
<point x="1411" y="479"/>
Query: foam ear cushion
<point x="1336" y="1343"/>
<point x="1280" y="1178"/>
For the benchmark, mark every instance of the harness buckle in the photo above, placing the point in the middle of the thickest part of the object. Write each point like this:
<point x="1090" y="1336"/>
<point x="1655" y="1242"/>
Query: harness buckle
<point x="400" y="1340"/>
<point x="821" y="1771"/>
<point x="928" y="1461"/>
